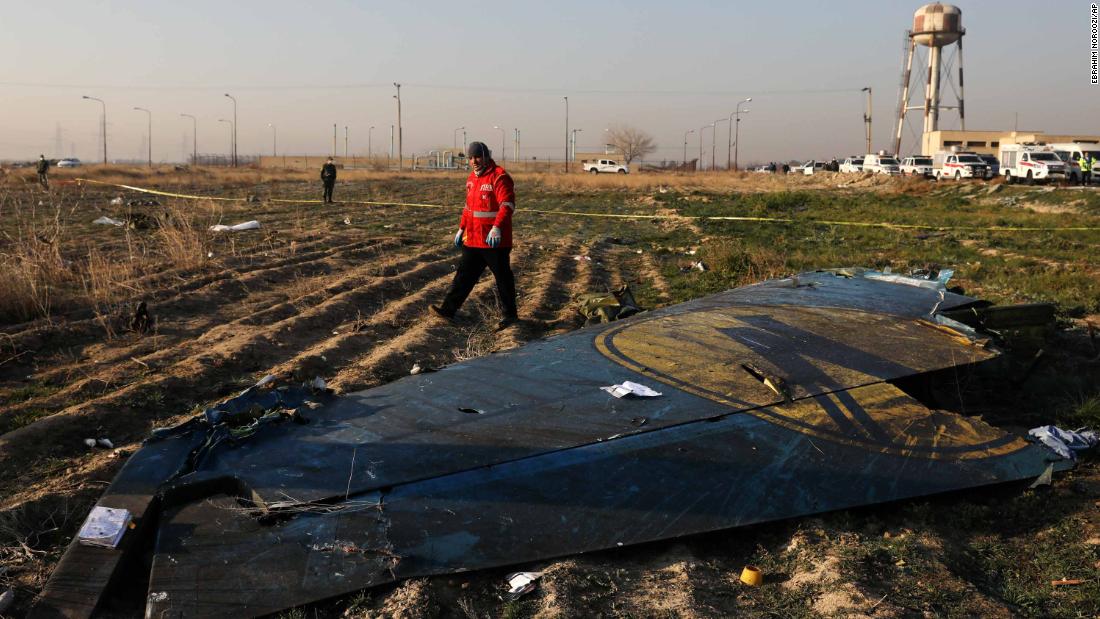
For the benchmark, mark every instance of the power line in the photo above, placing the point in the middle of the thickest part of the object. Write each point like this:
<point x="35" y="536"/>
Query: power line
<point x="453" y="87"/>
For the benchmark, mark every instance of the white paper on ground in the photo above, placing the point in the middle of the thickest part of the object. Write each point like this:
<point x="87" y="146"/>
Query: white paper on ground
<point x="105" y="220"/>
<point x="631" y="388"/>
<point x="248" y="225"/>
<point x="104" y="526"/>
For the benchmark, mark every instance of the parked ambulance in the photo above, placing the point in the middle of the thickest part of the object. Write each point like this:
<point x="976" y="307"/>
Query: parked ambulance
<point x="958" y="165"/>
<point x="1031" y="163"/>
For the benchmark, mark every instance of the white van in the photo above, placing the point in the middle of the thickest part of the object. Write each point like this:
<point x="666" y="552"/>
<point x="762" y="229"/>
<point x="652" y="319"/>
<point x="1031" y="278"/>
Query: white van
<point x="1070" y="152"/>
<point x="881" y="163"/>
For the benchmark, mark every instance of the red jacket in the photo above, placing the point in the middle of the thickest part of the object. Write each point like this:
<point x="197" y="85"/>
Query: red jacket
<point x="490" y="200"/>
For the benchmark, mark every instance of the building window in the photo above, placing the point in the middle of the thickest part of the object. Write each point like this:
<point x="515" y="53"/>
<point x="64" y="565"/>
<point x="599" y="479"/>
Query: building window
<point x="978" y="144"/>
<point x="994" y="144"/>
<point x="949" y="143"/>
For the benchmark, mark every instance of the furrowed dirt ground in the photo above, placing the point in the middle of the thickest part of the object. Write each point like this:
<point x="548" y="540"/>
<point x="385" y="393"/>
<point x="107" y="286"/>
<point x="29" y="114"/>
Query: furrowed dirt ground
<point x="341" y="291"/>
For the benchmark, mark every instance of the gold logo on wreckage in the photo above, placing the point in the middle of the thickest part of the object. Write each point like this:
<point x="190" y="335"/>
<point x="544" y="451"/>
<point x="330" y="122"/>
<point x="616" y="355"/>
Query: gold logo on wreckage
<point x="835" y="361"/>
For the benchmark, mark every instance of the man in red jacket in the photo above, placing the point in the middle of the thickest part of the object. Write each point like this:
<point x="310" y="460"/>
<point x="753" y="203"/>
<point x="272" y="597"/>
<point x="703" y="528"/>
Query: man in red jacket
<point x="484" y="236"/>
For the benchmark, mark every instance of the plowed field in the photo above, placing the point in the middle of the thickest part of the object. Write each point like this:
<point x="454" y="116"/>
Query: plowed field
<point x="341" y="291"/>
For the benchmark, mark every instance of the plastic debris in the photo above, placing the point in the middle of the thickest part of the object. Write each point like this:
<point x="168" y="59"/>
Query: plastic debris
<point x="752" y="576"/>
<point x="104" y="526"/>
<point x="416" y="369"/>
<point x="248" y="225"/>
<point x="105" y="443"/>
<point x="107" y="221"/>
<point x="600" y="307"/>
<point x="116" y="201"/>
<point x="90" y="442"/>
<point x="579" y="258"/>
<point x="627" y="387"/>
<point x="318" y="384"/>
<point x="347" y="221"/>
<point x="521" y="583"/>
<point x="1065" y="443"/>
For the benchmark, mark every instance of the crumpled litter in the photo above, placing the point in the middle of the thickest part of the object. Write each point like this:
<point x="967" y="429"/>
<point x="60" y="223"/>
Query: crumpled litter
<point x="248" y="225"/>
<point x="107" y="221"/>
<point x="1065" y="443"/>
<point x="521" y="583"/>
<point x="630" y="388"/>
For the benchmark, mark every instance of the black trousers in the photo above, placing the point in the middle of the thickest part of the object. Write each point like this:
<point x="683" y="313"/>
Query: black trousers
<point x="470" y="267"/>
<point x="43" y="180"/>
<point x="329" y="185"/>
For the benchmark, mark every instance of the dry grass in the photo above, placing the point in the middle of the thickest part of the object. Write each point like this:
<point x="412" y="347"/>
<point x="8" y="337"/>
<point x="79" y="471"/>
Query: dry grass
<point x="746" y="264"/>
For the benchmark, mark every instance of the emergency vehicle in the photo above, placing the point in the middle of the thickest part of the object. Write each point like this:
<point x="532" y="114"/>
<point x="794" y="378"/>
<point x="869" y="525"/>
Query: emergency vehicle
<point x="958" y="165"/>
<point x="1031" y="163"/>
<point x="881" y="163"/>
<point x="1070" y="152"/>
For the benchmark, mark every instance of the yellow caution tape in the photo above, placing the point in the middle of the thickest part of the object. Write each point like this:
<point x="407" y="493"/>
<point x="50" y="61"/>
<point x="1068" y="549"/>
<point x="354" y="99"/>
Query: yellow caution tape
<point x="775" y="220"/>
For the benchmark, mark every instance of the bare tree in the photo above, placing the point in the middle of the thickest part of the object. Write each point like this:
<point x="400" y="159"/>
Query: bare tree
<point x="633" y="143"/>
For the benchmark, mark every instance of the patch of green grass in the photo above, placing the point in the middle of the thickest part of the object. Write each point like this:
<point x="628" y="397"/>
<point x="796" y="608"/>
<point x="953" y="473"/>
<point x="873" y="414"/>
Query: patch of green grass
<point x="30" y="392"/>
<point x="10" y="422"/>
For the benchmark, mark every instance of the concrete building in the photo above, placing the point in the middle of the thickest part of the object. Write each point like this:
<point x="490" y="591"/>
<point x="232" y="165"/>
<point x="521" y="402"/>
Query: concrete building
<point x="988" y="142"/>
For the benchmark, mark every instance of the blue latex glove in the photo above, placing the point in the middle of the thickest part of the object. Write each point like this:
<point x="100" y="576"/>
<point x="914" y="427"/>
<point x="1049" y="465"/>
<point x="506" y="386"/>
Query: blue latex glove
<point x="494" y="237"/>
<point x="458" y="238"/>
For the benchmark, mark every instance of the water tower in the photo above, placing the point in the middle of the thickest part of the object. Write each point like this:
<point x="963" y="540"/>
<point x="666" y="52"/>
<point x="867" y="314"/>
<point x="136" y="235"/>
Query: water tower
<point x="935" y="26"/>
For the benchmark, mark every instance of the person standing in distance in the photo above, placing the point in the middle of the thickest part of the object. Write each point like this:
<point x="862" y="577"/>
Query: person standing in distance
<point x="328" y="177"/>
<point x="484" y="236"/>
<point x="43" y="172"/>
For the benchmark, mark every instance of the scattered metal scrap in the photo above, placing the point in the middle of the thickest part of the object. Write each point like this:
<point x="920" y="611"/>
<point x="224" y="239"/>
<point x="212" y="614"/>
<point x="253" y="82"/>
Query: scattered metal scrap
<point x="400" y="481"/>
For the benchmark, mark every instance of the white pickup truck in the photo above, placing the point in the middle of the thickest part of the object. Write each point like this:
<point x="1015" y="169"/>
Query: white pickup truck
<point x="1031" y="163"/>
<point x="605" y="165"/>
<point x="958" y="165"/>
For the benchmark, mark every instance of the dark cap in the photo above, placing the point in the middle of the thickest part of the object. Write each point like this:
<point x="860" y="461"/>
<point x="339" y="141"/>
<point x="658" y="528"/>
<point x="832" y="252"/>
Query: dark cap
<point x="479" y="149"/>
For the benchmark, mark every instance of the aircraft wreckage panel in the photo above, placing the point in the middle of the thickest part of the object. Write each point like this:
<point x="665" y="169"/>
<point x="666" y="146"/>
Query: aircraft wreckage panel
<point x="775" y="404"/>
<point x="782" y="461"/>
<point x="546" y="396"/>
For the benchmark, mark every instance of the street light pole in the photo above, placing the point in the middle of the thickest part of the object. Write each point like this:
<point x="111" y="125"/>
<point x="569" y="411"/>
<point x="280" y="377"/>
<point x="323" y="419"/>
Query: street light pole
<point x="345" y="144"/>
<point x="400" y="135"/>
<point x="104" y="119"/>
<point x="334" y="140"/>
<point x="150" y="133"/>
<point x="515" y="145"/>
<point x="194" y="139"/>
<point x="232" y="134"/>
<point x="713" y="142"/>
<point x="737" y="131"/>
<point x="234" y="128"/>
<point x="566" y="134"/>
<point x="686" y="134"/>
<point x="274" y="140"/>
<point x="867" y="118"/>
<point x="503" y="156"/>
<point x="454" y="134"/>
<point x="575" y="132"/>
<point x="701" y="143"/>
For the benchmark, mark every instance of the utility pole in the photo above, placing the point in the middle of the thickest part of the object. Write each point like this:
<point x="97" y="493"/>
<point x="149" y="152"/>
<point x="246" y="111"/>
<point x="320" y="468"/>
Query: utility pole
<point x="515" y="146"/>
<point x="345" y="144"/>
<point x="334" y="140"/>
<point x="867" y="119"/>
<point x="194" y="138"/>
<point x="503" y="153"/>
<point x="391" y="142"/>
<point x="274" y="140"/>
<point x="104" y="120"/>
<point x="400" y="135"/>
<point x="454" y="134"/>
<point x="686" y="134"/>
<point x="369" y="136"/>
<point x="567" y="134"/>
<point x="573" y="157"/>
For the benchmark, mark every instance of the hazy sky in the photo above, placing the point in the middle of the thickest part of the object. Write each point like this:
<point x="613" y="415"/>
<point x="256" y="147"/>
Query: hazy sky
<point x="665" y="67"/>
